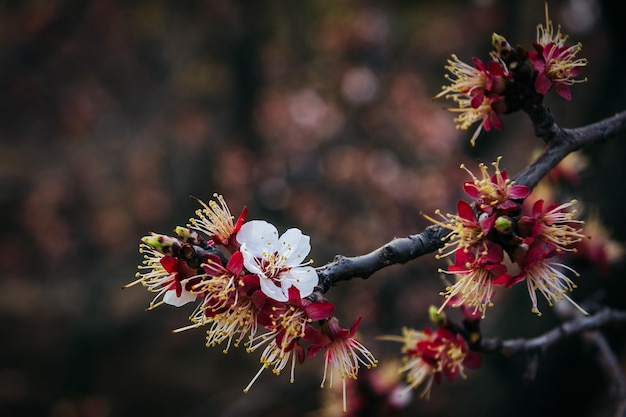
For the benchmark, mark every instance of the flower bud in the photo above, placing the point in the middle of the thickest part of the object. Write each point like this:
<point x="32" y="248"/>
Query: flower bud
<point x="437" y="317"/>
<point x="504" y="224"/>
<point x="187" y="235"/>
<point x="167" y="245"/>
<point x="501" y="44"/>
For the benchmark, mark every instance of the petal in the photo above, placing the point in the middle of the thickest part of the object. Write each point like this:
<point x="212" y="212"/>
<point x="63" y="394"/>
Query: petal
<point x="169" y="263"/>
<point x="519" y="191"/>
<point x="305" y="279"/>
<point x="241" y="219"/>
<point x="564" y="91"/>
<point x="503" y="279"/>
<point x="542" y="84"/>
<point x="273" y="291"/>
<point x="249" y="283"/>
<point x="477" y="99"/>
<point x="258" y="236"/>
<point x="320" y="310"/>
<point x="294" y="296"/>
<point x="520" y="276"/>
<point x="185" y="297"/>
<point x="478" y="63"/>
<point x="471" y="190"/>
<point x="472" y="360"/>
<point x="538" y="208"/>
<point x="355" y="325"/>
<point x="495" y="253"/>
<point x="294" y="246"/>
<point x="250" y="261"/>
<point x="537" y="252"/>
<point x="495" y="120"/>
<point x="235" y="263"/>
<point x="486" y="123"/>
<point x="508" y="205"/>
<point x="537" y="60"/>
<point x="465" y="211"/>
<point x="495" y="68"/>
<point x="259" y="299"/>
<point x="487" y="224"/>
<point x="462" y="257"/>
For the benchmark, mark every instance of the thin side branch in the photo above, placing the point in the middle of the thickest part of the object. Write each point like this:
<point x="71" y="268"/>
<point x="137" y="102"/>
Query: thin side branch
<point x="541" y="343"/>
<point x="611" y="366"/>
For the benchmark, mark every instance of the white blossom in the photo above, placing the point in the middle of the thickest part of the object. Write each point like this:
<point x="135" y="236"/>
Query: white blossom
<point x="278" y="261"/>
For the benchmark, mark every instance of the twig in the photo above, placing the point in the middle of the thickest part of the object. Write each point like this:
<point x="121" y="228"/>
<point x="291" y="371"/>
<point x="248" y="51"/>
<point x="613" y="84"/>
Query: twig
<point x="562" y="142"/>
<point x="611" y="366"/>
<point x="543" y="342"/>
<point x="397" y="251"/>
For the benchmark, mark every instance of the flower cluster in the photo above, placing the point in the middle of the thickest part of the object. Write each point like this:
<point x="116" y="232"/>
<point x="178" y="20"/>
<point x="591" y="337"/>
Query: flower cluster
<point x="600" y="250"/>
<point x="252" y="286"/>
<point x="511" y="78"/>
<point x="555" y="63"/>
<point x="429" y="355"/>
<point x="477" y="90"/>
<point x="494" y="224"/>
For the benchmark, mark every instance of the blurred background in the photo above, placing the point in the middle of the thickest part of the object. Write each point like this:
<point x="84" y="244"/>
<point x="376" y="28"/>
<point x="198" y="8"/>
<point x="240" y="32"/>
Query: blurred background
<point x="314" y="114"/>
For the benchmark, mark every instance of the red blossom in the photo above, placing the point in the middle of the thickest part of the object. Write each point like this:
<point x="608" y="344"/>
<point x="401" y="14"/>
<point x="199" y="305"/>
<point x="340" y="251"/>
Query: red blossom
<point x="331" y="333"/>
<point x="469" y="220"/>
<point x="538" y="251"/>
<point x="555" y="65"/>
<point x="494" y="73"/>
<point x="498" y="193"/>
<point x="446" y="352"/>
<point x="179" y="270"/>
<point x="315" y="310"/>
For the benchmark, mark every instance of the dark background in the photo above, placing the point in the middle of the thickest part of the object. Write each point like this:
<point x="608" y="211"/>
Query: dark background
<point x="314" y="114"/>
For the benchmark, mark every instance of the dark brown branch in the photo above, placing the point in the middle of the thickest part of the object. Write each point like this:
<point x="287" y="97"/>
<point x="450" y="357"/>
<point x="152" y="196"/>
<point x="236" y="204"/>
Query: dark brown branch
<point x="562" y="142"/>
<point x="586" y="326"/>
<point x="398" y="251"/>
<point x="611" y="366"/>
<point x="541" y="343"/>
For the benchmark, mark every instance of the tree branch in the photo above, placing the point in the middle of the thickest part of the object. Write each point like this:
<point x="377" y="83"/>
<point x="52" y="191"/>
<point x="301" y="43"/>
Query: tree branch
<point x="586" y="326"/>
<point x="611" y="366"/>
<point x="541" y="343"/>
<point x="398" y="251"/>
<point x="560" y="142"/>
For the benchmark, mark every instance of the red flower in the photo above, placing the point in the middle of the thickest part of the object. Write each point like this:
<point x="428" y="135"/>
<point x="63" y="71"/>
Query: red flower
<point x="554" y="225"/>
<point x="216" y="221"/>
<point x="477" y="90"/>
<point x="495" y="192"/>
<point x="475" y="278"/>
<point x="556" y="64"/>
<point x="343" y="352"/>
<point x="431" y="354"/>
<point x="544" y="276"/>
<point x="466" y="232"/>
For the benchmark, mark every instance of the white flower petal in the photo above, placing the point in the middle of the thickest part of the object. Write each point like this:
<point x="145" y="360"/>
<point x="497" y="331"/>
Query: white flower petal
<point x="185" y="297"/>
<point x="304" y="279"/>
<point x="273" y="291"/>
<point x="259" y="236"/>
<point x="250" y="261"/>
<point x="294" y="246"/>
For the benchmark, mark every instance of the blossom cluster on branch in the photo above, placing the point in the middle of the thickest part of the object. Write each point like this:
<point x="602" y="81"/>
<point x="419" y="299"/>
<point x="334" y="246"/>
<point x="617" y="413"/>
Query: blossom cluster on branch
<point x="480" y="235"/>
<point x="512" y="79"/>
<point x="252" y="286"/>
<point x="255" y="287"/>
